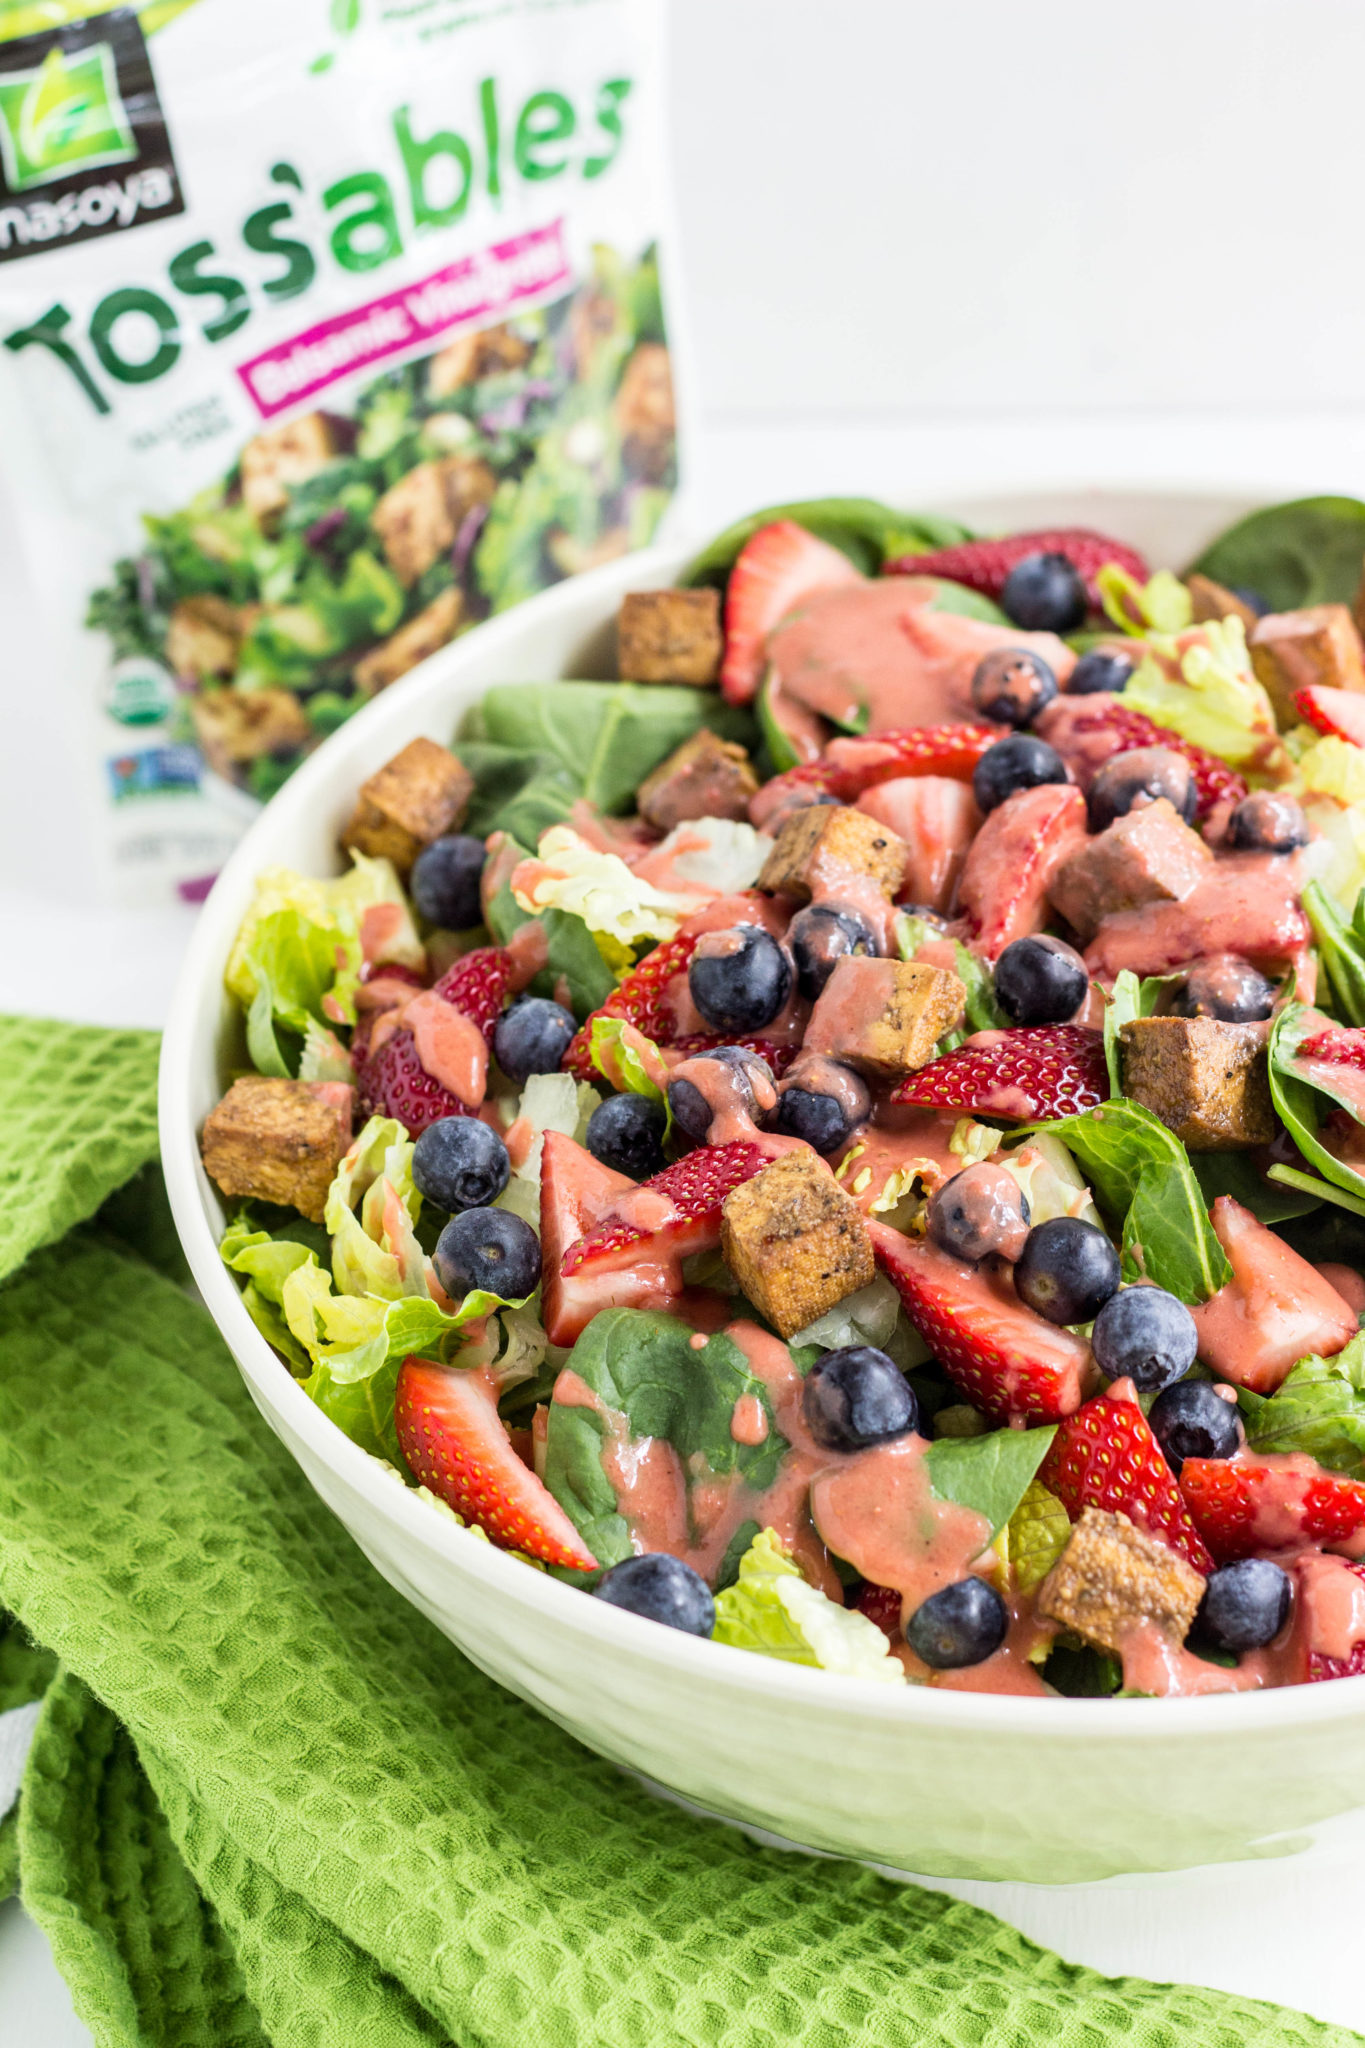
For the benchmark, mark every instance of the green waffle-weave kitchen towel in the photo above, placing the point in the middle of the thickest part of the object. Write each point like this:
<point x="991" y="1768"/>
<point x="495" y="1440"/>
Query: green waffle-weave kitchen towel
<point x="268" y="1804"/>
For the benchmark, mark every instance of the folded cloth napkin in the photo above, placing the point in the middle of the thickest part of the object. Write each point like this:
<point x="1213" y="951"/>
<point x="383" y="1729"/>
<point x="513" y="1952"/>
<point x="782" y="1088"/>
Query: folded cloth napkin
<point x="267" y="1803"/>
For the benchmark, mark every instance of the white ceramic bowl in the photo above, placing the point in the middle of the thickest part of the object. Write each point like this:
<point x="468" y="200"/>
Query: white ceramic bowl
<point x="954" y="1784"/>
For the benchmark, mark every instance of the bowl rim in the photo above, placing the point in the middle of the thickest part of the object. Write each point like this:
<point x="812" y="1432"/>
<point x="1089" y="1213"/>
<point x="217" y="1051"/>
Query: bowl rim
<point x="191" y="1016"/>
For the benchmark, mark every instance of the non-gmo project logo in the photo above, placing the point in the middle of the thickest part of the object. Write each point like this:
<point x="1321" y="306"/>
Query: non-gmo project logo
<point x="83" y="143"/>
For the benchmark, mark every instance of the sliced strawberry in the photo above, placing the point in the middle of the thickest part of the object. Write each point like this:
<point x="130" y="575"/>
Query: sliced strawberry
<point x="1043" y="1070"/>
<point x="1105" y="1456"/>
<point x="393" y="1082"/>
<point x="1275" y="1310"/>
<point x="640" y="1000"/>
<point x="1240" y="1507"/>
<point x="779" y="1057"/>
<point x="776" y="568"/>
<point x="1321" y="1666"/>
<point x="478" y="984"/>
<point x="937" y="819"/>
<point x="575" y="1191"/>
<point x="1006" y="1360"/>
<point x="882" y="1604"/>
<point x="984" y="565"/>
<point x="1013" y="860"/>
<point x="1086" y="731"/>
<point x="451" y="1437"/>
<point x="1341" y="713"/>
<point x="1341" y="1046"/>
<point x="849" y="766"/>
<point x="670" y="1216"/>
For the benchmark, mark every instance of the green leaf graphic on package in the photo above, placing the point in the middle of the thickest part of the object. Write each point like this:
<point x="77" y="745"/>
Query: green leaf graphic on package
<point x="66" y="115"/>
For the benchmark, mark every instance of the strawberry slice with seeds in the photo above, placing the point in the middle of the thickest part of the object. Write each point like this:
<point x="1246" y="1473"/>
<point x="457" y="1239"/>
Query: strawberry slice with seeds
<point x="1105" y="1456"/>
<point x="1042" y="1070"/>
<point x="576" y="1190"/>
<point x="477" y="984"/>
<point x="849" y="766"/>
<point x="1342" y="1046"/>
<point x="454" y="1443"/>
<point x="640" y="1000"/>
<point x="984" y="565"/>
<point x="1339" y="713"/>
<point x="1240" y="1507"/>
<point x="779" y="1057"/>
<point x="881" y="1604"/>
<point x="1012" y="862"/>
<point x="1321" y="1666"/>
<point x="777" y="567"/>
<point x="393" y="1082"/>
<point x="1007" y="1361"/>
<point x="674" y="1214"/>
<point x="1086" y="731"/>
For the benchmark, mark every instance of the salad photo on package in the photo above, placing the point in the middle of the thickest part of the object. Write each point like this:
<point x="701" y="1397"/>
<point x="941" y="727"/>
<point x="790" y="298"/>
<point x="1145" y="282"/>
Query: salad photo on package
<point x="848" y="1141"/>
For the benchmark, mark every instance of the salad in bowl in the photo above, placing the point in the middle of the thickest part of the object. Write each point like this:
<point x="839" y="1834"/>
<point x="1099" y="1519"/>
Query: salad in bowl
<point x="849" y="1140"/>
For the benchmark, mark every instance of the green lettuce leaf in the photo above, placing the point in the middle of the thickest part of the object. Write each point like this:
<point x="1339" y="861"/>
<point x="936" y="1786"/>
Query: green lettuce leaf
<point x="861" y="528"/>
<point x="1050" y="1179"/>
<point x="376" y="1252"/>
<point x="1296" y="1101"/>
<point x="773" y="1610"/>
<point x="1341" y="948"/>
<point x="601" y="890"/>
<point x="1034" y="1537"/>
<point x="990" y="1474"/>
<point x="1319" y="1409"/>
<point x="620" y="1062"/>
<point x="651" y="1382"/>
<point x="1161" y="605"/>
<point x="1129" y="1000"/>
<point x="1302" y="553"/>
<point x="1201" y="685"/>
<point x="1143" y="1182"/>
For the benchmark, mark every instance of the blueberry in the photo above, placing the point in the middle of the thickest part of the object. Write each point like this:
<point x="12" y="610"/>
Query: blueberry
<point x="820" y="936"/>
<point x="1145" y="1335"/>
<point x="1266" y="822"/>
<point x="1192" y="1420"/>
<point x="445" y="882"/>
<point x="626" y="1133"/>
<point x="1067" y="1270"/>
<point x="1019" y="762"/>
<point x="1045" y="594"/>
<point x="979" y="1212"/>
<point x="1040" y="981"/>
<point x="660" y="1587"/>
<point x="691" y="1099"/>
<point x="961" y="1624"/>
<point x="1101" y="669"/>
<point x="856" y="1397"/>
<point x="822" y="1103"/>
<point x="490" y="1249"/>
<point x="1011" y="685"/>
<point x="1147" y="772"/>
<point x="1245" y="1605"/>
<point x="1226" y="988"/>
<point x="740" y="979"/>
<point x="460" y="1163"/>
<point x="532" y="1037"/>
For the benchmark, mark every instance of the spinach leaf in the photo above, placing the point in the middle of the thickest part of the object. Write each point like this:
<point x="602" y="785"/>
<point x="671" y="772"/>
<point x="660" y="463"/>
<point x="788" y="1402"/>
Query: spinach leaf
<point x="604" y="738"/>
<point x="1341" y="946"/>
<point x="1143" y="1180"/>
<point x="573" y="953"/>
<point x="1232" y="1173"/>
<point x="968" y="604"/>
<point x="643" y="1368"/>
<point x="988" y="1473"/>
<point x="861" y="528"/>
<point x="1131" y="999"/>
<point x="1319" y="1409"/>
<point x="1306" y="552"/>
<point x="1295" y="1100"/>
<point x="1082" y="1673"/>
<point x="516" y="790"/>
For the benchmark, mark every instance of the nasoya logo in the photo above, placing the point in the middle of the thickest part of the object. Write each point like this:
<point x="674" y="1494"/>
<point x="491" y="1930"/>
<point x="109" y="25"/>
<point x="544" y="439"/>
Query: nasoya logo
<point x="66" y="115"/>
<point x="83" y="143"/>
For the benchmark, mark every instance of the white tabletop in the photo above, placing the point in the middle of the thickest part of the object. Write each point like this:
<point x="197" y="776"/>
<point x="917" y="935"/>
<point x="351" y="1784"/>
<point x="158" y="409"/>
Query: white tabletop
<point x="1287" y="1930"/>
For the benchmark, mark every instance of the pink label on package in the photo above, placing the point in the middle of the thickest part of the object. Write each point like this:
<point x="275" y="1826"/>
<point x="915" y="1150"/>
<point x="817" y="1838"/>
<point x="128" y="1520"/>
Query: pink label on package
<point x="478" y="289"/>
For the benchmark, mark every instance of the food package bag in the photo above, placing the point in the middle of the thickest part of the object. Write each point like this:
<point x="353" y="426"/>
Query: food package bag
<point x="329" y="327"/>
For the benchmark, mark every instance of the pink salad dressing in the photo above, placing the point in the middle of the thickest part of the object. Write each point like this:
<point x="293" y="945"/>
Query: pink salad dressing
<point x="450" y="1046"/>
<point x="1247" y="903"/>
<point x="380" y="925"/>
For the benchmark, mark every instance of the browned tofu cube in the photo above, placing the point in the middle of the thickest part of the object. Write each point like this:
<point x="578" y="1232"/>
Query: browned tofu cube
<point x="421" y="793"/>
<point x="1148" y="856"/>
<point x="471" y="356"/>
<point x="645" y="414"/>
<point x="706" y="778"/>
<point x="236" y="727"/>
<point x="279" y="1141"/>
<point x="282" y="456"/>
<point x="669" y="636"/>
<point x="1113" y="1578"/>
<point x="1206" y="1080"/>
<point x="884" y="1016"/>
<point x="1212" y="600"/>
<point x="1291" y="650"/>
<point x="795" y="1241"/>
<point x="412" y="643"/>
<point x="418" y="518"/>
<point x="204" y="637"/>
<point x="823" y="844"/>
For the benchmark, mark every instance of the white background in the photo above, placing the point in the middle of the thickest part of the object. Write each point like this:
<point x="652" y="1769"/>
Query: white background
<point x="929" y="249"/>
